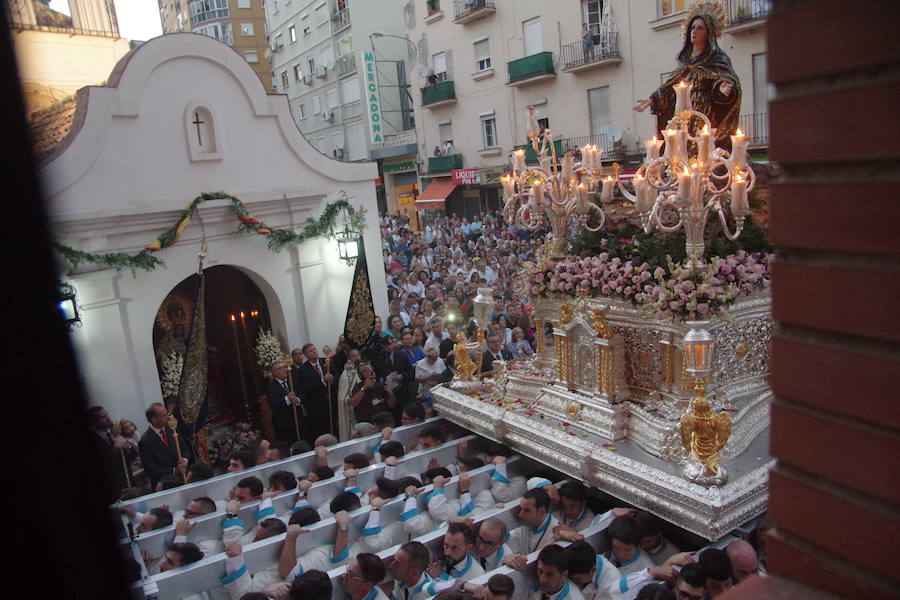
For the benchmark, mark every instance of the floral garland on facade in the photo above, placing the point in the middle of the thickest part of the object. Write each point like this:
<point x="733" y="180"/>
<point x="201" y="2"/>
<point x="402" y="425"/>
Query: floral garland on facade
<point x="325" y="226"/>
<point x="672" y="291"/>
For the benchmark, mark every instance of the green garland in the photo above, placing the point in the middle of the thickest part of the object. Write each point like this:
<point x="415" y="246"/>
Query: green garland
<point x="325" y="226"/>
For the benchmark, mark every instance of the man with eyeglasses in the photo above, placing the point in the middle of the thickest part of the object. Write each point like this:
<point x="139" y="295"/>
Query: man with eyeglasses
<point x="364" y="573"/>
<point x="490" y="548"/>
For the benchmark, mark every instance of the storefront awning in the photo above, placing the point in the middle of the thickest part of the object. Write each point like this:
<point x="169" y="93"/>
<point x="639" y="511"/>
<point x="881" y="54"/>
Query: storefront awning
<point x="434" y="195"/>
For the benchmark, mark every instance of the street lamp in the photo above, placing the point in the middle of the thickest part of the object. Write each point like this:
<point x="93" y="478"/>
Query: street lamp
<point x="68" y="304"/>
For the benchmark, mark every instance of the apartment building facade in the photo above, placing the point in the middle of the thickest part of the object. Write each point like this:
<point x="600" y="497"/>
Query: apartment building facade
<point x="239" y="23"/>
<point x="344" y="68"/>
<point x="485" y="62"/>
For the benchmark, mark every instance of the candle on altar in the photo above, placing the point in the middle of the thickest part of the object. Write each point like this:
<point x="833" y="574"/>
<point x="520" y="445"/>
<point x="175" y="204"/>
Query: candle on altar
<point x="684" y="187"/>
<point x="518" y="160"/>
<point x="738" y="150"/>
<point x="568" y="167"/>
<point x="683" y="96"/>
<point x="740" y="206"/>
<point x="606" y="192"/>
<point x="652" y="145"/>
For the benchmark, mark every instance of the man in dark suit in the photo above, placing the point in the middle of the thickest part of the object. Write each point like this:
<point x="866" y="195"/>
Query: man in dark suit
<point x="494" y="352"/>
<point x="283" y="402"/>
<point x="116" y="454"/>
<point x="314" y="381"/>
<point x="157" y="446"/>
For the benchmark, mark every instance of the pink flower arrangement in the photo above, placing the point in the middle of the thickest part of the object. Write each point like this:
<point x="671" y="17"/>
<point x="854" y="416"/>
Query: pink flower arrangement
<point x="674" y="292"/>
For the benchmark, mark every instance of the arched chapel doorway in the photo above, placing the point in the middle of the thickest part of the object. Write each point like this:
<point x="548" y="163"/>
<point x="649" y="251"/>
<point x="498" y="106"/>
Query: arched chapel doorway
<point x="236" y="311"/>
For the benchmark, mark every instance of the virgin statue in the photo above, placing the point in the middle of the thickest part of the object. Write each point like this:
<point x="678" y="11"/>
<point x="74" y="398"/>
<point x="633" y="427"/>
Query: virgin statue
<point x="716" y="90"/>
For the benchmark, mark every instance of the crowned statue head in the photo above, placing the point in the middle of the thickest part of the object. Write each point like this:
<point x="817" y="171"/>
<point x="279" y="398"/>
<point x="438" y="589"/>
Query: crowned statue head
<point x="702" y="26"/>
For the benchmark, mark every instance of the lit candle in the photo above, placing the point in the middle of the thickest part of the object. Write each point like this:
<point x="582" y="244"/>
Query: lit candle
<point x="705" y="151"/>
<point x="683" y="96"/>
<point x="581" y="195"/>
<point x="537" y="195"/>
<point x="606" y="192"/>
<point x="684" y="187"/>
<point x="740" y="206"/>
<point x="738" y="150"/>
<point x="509" y="186"/>
<point x="519" y="160"/>
<point x="644" y="195"/>
<point x="670" y="135"/>
<point x="585" y="156"/>
<point x="596" y="153"/>
<point x="652" y="145"/>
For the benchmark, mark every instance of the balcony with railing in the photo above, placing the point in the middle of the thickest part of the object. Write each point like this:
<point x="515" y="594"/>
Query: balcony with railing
<point x="340" y="18"/>
<point x="438" y="94"/>
<point x="531" y="69"/>
<point x="605" y="51"/>
<point x="744" y="15"/>
<point x="443" y="164"/>
<point x="756" y="128"/>
<point x="611" y="149"/>
<point x="345" y="64"/>
<point x="202" y="11"/>
<point x="531" y="157"/>
<point x="465" y="11"/>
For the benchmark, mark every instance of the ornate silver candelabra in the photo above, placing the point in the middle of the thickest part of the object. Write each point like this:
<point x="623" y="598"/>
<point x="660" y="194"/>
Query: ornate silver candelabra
<point x="691" y="179"/>
<point x="560" y="190"/>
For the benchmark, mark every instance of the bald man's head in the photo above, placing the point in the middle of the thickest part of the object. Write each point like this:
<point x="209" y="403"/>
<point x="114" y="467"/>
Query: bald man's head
<point x="743" y="559"/>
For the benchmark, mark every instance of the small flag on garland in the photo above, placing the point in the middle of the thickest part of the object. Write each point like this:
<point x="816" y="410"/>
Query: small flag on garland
<point x="360" y="321"/>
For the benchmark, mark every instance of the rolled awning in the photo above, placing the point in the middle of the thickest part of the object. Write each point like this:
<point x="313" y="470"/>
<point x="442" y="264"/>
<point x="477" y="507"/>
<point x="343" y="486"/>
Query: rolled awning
<point x="434" y="195"/>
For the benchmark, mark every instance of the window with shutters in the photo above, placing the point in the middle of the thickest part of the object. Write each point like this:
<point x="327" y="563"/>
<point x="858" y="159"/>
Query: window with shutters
<point x="445" y="132"/>
<point x="489" y="132"/>
<point x="439" y="61"/>
<point x="600" y="113"/>
<point x="331" y="98"/>
<point x="246" y="29"/>
<point x="316" y="105"/>
<point x="292" y="33"/>
<point x="482" y="55"/>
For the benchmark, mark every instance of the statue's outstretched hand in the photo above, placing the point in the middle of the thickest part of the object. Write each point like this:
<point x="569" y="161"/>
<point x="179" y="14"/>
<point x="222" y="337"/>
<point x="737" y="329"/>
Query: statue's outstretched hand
<point x="642" y="105"/>
<point x="725" y="87"/>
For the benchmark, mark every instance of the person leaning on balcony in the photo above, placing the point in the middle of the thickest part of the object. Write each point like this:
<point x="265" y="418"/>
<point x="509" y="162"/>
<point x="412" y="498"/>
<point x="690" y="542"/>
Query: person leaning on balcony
<point x="587" y="41"/>
<point x="716" y="91"/>
<point x="437" y="152"/>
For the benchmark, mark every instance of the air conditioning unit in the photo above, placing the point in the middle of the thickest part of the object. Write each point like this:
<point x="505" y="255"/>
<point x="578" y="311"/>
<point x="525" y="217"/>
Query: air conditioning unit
<point x="307" y="79"/>
<point x="328" y="115"/>
<point x="321" y="72"/>
<point x="338" y="152"/>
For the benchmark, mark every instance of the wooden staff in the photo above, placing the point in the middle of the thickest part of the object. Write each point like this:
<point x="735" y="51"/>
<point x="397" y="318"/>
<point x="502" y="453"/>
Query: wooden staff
<point x="289" y="360"/>
<point x="331" y="422"/>
<point x="116" y="432"/>
<point x="173" y="425"/>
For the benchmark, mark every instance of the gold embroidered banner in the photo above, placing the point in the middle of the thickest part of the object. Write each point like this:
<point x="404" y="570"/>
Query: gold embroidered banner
<point x="360" y="319"/>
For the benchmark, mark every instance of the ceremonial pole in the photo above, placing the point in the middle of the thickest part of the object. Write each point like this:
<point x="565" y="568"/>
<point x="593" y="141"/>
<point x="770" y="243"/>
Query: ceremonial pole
<point x="117" y="431"/>
<point x="288" y="360"/>
<point x="173" y="425"/>
<point x="331" y="422"/>
<point x="237" y="351"/>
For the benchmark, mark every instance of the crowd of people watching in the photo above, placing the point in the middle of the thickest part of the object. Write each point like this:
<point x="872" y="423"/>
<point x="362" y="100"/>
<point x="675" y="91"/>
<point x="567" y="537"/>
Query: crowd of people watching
<point x="433" y="278"/>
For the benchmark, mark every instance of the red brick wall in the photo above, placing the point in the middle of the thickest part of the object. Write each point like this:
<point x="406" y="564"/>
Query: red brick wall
<point x="836" y="293"/>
